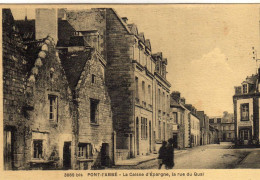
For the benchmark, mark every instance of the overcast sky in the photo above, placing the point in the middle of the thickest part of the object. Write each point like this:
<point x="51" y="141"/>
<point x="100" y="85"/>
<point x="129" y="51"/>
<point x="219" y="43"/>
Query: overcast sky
<point x="208" y="47"/>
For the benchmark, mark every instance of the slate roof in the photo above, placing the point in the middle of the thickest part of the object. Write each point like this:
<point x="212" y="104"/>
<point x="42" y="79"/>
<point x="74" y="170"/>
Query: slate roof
<point x="26" y="29"/>
<point x="74" y="63"/>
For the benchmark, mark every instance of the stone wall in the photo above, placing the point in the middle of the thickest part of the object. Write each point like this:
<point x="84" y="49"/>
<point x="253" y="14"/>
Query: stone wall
<point x="102" y="131"/>
<point x="119" y="77"/>
<point x="14" y="63"/>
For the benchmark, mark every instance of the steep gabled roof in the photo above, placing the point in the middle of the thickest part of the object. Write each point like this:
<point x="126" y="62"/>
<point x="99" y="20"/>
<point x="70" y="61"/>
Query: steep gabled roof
<point x="74" y="63"/>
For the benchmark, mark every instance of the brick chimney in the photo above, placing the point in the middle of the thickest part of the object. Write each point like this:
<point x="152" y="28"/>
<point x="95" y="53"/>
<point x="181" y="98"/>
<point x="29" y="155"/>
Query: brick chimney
<point x="46" y="23"/>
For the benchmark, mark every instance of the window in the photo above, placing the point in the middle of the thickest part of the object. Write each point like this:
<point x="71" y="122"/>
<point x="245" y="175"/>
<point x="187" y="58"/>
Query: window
<point x="159" y="98"/>
<point x="211" y="120"/>
<point x="143" y="90"/>
<point x="175" y="120"/>
<point x="245" y="112"/>
<point x="136" y="87"/>
<point x="144" y="128"/>
<point x="159" y="131"/>
<point x="93" y="78"/>
<point x="37" y="149"/>
<point x="85" y="151"/>
<point x="244" y="88"/>
<point x="94" y="110"/>
<point x="219" y="120"/>
<point x="229" y="135"/>
<point x="53" y="107"/>
<point x="149" y="94"/>
<point x="244" y="134"/>
<point x="164" y="137"/>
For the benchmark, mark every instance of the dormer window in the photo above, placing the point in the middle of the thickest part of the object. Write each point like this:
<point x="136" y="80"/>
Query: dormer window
<point x="245" y="89"/>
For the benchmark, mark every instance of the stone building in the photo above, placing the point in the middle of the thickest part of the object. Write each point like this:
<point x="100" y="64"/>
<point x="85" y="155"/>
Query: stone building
<point x="194" y="126"/>
<point x="44" y="108"/>
<point x="14" y="120"/>
<point x="215" y="122"/>
<point x="135" y="77"/>
<point x="179" y="119"/>
<point x="204" y="128"/>
<point x="57" y="113"/>
<point x="246" y="111"/>
<point x="225" y="126"/>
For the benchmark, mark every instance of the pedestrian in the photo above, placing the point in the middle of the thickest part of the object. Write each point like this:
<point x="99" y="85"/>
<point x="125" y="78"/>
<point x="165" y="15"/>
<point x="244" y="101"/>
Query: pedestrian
<point x="170" y="154"/>
<point x="162" y="154"/>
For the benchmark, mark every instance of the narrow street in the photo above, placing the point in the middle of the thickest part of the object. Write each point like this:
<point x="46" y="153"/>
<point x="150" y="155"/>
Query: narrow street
<point x="213" y="156"/>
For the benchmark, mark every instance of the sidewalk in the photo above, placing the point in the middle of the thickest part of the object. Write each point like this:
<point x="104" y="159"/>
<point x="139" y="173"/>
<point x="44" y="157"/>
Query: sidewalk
<point x="142" y="159"/>
<point x="252" y="160"/>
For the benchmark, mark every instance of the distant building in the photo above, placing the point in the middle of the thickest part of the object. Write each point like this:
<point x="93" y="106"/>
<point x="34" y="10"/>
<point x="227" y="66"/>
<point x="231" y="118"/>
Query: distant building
<point x="246" y="111"/>
<point x="194" y="126"/>
<point x="204" y="128"/>
<point x="179" y="117"/>
<point x="225" y="126"/>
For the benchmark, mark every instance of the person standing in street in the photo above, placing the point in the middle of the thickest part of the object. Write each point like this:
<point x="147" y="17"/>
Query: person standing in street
<point x="170" y="154"/>
<point x="162" y="158"/>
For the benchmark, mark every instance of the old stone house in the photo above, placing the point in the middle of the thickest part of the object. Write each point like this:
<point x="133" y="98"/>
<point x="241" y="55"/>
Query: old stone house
<point x="56" y="107"/>
<point x="136" y="78"/>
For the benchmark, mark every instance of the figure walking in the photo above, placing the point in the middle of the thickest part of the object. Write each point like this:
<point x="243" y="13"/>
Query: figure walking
<point x="162" y="155"/>
<point x="170" y="154"/>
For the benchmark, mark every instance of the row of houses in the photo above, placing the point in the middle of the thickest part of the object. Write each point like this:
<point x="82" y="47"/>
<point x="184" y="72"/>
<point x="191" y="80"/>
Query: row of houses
<point x="190" y="127"/>
<point x="82" y="89"/>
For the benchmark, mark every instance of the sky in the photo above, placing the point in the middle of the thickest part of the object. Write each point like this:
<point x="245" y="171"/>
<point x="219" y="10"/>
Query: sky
<point x="208" y="47"/>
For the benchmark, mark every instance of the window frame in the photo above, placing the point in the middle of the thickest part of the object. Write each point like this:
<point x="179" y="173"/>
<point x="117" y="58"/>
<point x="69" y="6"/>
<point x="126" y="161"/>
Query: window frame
<point x="55" y="111"/>
<point x="245" y="88"/>
<point x="241" y="112"/>
<point x="33" y="143"/>
<point x="85" y="151"/>
<point x="95" y="102"/>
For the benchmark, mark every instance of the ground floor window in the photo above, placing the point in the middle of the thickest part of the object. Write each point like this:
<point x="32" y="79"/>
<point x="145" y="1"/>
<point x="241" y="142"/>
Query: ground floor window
<point x="37" y="149"/>
<point x="85" y="150"/>
<point x="244" y="134"/>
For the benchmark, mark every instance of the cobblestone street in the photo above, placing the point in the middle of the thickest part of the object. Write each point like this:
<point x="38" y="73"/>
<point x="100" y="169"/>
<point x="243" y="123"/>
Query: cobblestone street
<point x="213" y="156"/>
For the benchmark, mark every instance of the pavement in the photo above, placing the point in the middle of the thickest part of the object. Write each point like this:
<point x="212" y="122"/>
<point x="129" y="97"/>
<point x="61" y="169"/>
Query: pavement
<point x="142" y="159"/>
<point x="212" y="156"/>
<point x="252" y="160"/>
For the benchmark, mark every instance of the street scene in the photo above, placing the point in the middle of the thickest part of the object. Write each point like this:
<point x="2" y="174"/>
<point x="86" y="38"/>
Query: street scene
<point x="105" y="88"/>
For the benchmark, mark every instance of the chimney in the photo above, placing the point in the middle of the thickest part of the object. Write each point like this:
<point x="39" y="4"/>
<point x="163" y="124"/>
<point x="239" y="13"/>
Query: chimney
<point x="125" y="19"/>
<point x="176" y="95"/>
<point x="183" y="100"/>
<point x="46" y="23"/>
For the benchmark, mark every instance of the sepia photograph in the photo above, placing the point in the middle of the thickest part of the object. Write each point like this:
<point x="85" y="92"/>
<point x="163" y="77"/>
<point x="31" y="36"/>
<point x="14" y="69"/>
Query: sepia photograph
<point x="130" y="87"/>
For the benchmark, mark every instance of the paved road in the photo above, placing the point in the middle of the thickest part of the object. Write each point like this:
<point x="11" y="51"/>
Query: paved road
<point x="212" y="156"/>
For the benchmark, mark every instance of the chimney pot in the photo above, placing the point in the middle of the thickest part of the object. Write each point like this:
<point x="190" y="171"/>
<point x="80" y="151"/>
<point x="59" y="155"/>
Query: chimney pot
<point x="125" y="19"/>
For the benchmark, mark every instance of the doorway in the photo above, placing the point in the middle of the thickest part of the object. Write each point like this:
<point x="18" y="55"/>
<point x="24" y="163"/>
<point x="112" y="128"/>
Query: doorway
<point x="175" y="140"/>
<point x="137" y="136"/>
<point x="67" y="155"/>
<point x="150" y="137"/>
<point x="8" y="149"/>
<point x="105" y="154"/>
